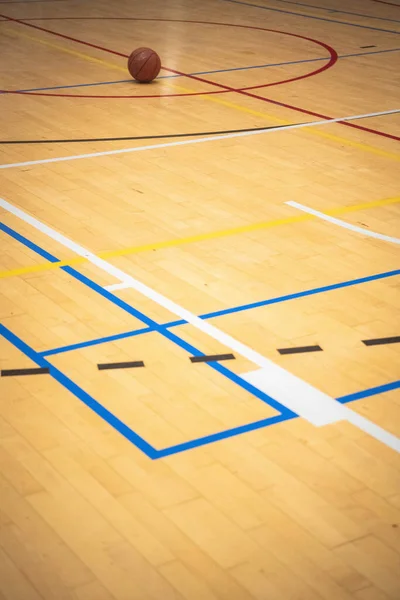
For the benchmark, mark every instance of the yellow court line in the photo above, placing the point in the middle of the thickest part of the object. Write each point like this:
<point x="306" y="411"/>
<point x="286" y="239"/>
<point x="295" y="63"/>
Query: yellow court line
<point x="86" y="57"/>
<point x="274" y="119"/>
<point x="364" y="206"/>
<point x="201" y="237"/>
<point x="315" y="132"/>
<point x="263" y="115"/>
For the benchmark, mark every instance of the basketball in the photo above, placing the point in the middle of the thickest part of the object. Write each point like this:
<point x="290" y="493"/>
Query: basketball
<point x="144" y="65"/>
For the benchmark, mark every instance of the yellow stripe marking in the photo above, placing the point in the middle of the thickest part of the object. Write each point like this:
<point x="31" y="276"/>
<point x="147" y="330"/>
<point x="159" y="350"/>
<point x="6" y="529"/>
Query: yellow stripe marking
<point x="201" y="237"/>
<point x="328" y="136"/>
<point x="85" y="57"/>
<point x="263" y="115"/>
<point x="364" y="206"/>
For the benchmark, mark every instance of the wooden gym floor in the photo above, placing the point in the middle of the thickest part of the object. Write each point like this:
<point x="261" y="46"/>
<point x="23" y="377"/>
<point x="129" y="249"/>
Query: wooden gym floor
<point x="245" y="204"/>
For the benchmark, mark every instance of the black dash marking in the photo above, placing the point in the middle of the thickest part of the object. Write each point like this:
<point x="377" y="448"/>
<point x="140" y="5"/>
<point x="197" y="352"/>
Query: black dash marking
<point x="212" y="358"/>
<point x="300" y="349"/>
<point x="16" y="372"/>
<point x="121" y="365"/>
<point x="380" y="341"/>
<point x="367" y="47"/>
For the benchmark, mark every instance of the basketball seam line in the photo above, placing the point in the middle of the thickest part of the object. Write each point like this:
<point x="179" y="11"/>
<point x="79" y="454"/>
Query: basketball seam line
<point x="143" y="66"/>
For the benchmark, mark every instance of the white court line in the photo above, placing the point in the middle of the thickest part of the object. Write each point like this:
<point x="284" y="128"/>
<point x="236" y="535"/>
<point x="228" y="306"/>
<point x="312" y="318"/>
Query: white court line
<point x="366" y="232"/>
<point x="227" y="136"/>
<point x="337" y="412"/>
<point x="291" y="391"/>
<point x="286" y="388"/>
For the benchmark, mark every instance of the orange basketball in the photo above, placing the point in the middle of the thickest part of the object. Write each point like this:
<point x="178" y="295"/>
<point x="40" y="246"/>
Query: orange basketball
<point x="144" y="64"/>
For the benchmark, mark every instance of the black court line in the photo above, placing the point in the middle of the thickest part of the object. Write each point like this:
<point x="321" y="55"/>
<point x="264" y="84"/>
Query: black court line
<point x="153" y="137"/>
<point x="17" y="372"/>
<point x="299" y="349"/>
<point x="367" y="47"/>
<point x="121" y="365"/>
<point x="212" y="358"/>
<point x="381" y="341"/>
<point x="143" y="137"/>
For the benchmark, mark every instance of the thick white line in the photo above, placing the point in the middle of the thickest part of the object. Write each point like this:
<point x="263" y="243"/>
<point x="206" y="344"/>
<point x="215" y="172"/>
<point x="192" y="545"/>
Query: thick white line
<point x="196" y="141"/>
<point x="324" y="217"/>
<point x="288" y="389"/>
<point x="316" y="412"/>
<point x="291" y="391"/>
<point x="338" y="412"/>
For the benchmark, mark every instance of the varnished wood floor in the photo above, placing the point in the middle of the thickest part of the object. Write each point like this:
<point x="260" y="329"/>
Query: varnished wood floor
<point x="177" y="479"/>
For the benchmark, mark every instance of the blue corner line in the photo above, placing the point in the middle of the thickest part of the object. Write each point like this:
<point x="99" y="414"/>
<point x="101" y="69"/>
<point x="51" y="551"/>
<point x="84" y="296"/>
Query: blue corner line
<point x="141" y="443"/>
<point x="117" y="424"/>
<point x="77" y="391"/>
<point x="233" y="377"/>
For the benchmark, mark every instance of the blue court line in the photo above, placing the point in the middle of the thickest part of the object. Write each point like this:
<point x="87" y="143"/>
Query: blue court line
<point x="311" y="292"/>
<point x="223" y="312"/>
<point x="116" y="423"/>
<point x="141" y="443"/>
<point x="121" y="427"/>
<point x="335" y="10"/>
<point x="102" y="340"/>
<point x="77" y="391"/>
<point x="223" y="435"/>
<point x="281" y="64"/>
<point x="209" y="439"/>
<point x="379" y="389"/>
<point x="297" y="14"/>
<point x="149" y="322"/>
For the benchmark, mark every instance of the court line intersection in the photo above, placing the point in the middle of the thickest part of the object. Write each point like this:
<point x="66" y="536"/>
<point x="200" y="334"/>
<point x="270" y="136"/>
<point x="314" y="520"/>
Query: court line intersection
<point x="223" y="312"/>
<point x="248" y="68"/>
<point x="196" y="238"/>
<point x="293" y="393"/>
<point x="148" y="449"/>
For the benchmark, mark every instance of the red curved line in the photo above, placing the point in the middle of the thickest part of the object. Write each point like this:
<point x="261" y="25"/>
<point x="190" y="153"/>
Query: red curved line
<point x="244" y="92"/>
<point x="332" y="53"/>
<point x="329" y="64"/>
<point x="332" y="60"/>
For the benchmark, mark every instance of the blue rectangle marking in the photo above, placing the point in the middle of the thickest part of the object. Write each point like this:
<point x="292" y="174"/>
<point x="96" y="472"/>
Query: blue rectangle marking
<point x="113" y="420"/>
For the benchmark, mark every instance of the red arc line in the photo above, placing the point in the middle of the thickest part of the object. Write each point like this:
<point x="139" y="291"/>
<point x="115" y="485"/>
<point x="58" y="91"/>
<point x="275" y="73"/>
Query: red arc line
<point x="334" y="58"/>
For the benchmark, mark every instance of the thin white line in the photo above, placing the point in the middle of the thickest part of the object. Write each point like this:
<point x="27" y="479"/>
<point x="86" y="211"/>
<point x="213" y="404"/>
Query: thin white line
<point x="289" y="390"/>
<point x="196" y="141"/>
<point x="323" y="216"/>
